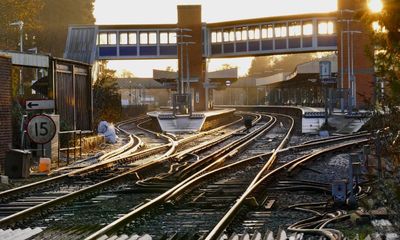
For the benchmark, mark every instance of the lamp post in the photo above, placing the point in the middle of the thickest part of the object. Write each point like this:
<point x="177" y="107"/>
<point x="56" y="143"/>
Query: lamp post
<point x="130" y="92"/>
<point x="181" y="42"/>
<point x="181" y="87"/>
<point x="350" y="68"/>
<point x="20" y="24"/>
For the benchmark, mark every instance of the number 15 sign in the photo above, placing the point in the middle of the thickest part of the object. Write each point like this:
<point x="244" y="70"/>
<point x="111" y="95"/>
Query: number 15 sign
<point x="41" y="129"/>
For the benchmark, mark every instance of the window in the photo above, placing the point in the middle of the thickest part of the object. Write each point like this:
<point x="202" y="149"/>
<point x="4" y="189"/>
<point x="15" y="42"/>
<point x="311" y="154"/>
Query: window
<point x="152" y="38"/>
<point x="229" y="35"/>
<point x="172" y="38"/>
<point x="241" y="34"/>
<point x="254" y="33"/>
<point x="244" y="34"/>
<point x="132" y="38"/>
<point x="213" y="37"/>
<point x="226" y="36"/>
<point x="123" y="38"/>
<point x="326" y="27"/>
<point x="112" y="38"/>
<point x="143" y="38"/>
<point x="294" y="29"/>
<point x="107" y="38"/>
<point x="238" y="35"/>
<point x="127" y="38"/>
<point x="148" y="38"/>
<point x="232" y="35"/>
<point x="267" y="31"/>
<point x="307" y="29"/>
<point x="280" y="31"/>
<point x="257" y="33"/>
<point x="164" y="38"/>
<point x="103" y="38"/>
<point x="219" y="36"/>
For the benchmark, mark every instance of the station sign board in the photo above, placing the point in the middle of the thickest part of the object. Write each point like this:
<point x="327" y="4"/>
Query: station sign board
<point x="41" y="129"/>
<point x="39" y="104"/>
<point x="324" y="69"/>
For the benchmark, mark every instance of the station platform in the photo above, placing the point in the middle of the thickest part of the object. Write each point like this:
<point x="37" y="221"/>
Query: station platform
<point x="185" y="123"/>
<point x="309" y="120"/>
<point x="314" y="118"/>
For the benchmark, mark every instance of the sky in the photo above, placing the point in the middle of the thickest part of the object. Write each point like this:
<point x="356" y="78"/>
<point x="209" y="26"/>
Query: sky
<point x="165" y="11"/>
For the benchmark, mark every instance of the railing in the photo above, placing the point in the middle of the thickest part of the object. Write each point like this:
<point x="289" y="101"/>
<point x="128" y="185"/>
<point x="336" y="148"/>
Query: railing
<point x="71" y="146"/>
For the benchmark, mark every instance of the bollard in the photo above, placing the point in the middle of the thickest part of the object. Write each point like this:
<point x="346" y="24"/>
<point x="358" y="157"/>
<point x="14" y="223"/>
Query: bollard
<point x="366" y="151"/>
<point x="378" y="151"/>
<point x="351" y="199"/>
<point x="357" y="173"/>
<point x="339" y="192"/>
<point x="363" y="165"/>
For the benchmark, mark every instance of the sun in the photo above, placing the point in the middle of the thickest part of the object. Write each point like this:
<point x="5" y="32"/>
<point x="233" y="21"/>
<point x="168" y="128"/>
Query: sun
<point x="375" y="5"/>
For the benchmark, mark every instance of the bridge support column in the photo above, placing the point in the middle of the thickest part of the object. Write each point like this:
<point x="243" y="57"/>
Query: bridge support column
<point x="356" y="72"/>
<point x="189" y="24"/>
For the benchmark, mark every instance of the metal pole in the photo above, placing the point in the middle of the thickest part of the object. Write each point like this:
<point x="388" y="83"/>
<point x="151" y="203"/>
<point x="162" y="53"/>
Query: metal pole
<point x="181" y="58"/>
<point x="341" y="73"/>
<point x="352" y="71"/>
<point x="348" y="68"/>
<point x="187" y="69"/>
<point x="21" y="49"/>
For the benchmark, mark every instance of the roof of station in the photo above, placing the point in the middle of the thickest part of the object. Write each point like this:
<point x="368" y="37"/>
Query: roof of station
<point x="302" y="70"/>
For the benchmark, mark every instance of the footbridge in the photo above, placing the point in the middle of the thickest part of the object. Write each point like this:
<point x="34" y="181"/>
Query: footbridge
<point x="192" y="41"/>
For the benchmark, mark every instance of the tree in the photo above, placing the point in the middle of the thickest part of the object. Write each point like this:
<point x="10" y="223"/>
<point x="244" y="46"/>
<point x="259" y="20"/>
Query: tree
<point x="269" y="65"/>
<point x="226" y="66"/>
<point x="55" y="18"/>
<point x="126" y="74"/>
<point x="45" y="22"/>
<point x="385" y="47"/>
<point x="106" y="99"/>
<point x="19" y="10"/>
<point x="169" y="69"/>
<point x="385" y="53"/>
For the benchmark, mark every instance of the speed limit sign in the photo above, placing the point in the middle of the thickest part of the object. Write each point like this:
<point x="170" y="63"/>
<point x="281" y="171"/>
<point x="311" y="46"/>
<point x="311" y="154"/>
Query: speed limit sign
<point x="41" y="129"/>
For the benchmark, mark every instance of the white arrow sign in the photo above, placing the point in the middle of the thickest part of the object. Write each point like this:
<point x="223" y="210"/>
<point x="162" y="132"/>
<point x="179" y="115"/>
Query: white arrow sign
<point x="39" y="104"/>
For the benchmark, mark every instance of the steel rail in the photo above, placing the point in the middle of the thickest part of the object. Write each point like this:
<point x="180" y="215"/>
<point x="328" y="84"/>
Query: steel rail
<point x="169" y="194"/>
<point x="27" y="212"/>
<point x="95" y="167"/>
<point x="161" y="198"/>
<point x="230" y="150"/>
<point x="220" y="227"/>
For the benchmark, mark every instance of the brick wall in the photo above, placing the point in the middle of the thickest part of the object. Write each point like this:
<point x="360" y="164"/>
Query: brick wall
<point x="5" y="109"/>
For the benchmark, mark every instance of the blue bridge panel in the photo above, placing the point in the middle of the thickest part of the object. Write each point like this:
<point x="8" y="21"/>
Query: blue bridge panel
<point x="327" y="41"/>
<point x="216" y="48"/>
<point x="280" y="44"/>
<point x="127" y="51"/>
<point x="229" y="48"/>
<point x="241" y="47"/>
<point x="168" y="50"/>
<point x="254" y="46"/>
<point x="107" y="51"/>
<point x="307" y="42"/>
<point x="267" y="45"/>
<point x="148" y="50"/>
<point x="294" y="43"/>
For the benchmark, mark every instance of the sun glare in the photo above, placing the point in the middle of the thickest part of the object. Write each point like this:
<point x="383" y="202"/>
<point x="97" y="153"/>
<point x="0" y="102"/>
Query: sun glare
<point x="375" y="5"/>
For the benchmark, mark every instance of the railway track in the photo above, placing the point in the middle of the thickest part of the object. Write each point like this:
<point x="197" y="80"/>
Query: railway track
<point x="218" y="188"/>
<point x="173" y="171"/>
<point x="20" y="203"/>
<point x="127" y="174"/>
